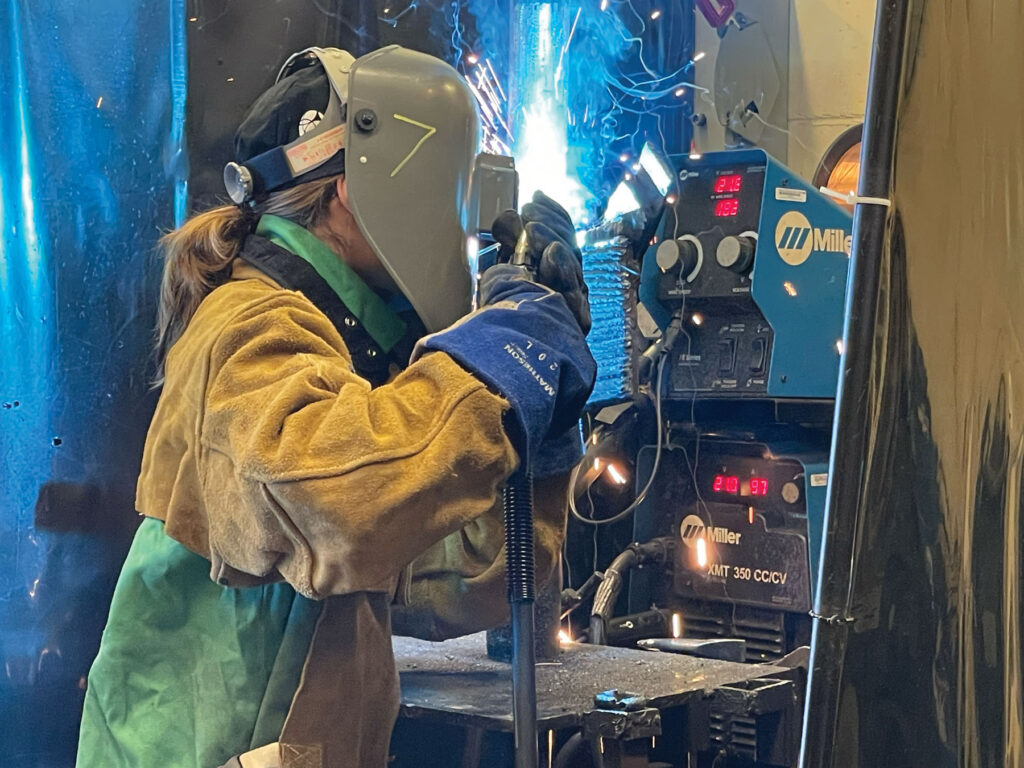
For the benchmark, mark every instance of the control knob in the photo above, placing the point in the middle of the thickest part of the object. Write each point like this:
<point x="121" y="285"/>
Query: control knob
<point x="677" y="254"/>
<point x="736" y="252"/>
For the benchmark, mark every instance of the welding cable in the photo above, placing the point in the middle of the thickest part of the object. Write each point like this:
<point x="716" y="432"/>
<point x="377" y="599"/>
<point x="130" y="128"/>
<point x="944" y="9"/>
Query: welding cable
<point x="654" y="552"/>
<point x="654" y="469"/>
<point x="574" y="598"/>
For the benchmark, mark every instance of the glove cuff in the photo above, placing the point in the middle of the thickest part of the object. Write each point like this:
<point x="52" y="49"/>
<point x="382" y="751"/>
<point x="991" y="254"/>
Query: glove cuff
<point x="532" y="353"/>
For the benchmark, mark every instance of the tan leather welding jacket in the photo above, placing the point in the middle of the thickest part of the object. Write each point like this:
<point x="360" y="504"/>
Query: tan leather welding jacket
<point x="288" y="501"/>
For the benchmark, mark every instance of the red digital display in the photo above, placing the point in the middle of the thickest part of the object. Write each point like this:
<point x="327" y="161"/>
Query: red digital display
<point x="730" y="183"/>
<point x="728" y="207"/>
<point x="726" y="484"/>
<point x="731" y="484"/>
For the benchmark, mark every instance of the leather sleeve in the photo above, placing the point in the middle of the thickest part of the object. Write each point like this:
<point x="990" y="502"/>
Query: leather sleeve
<point x="308" y="471"/>
<point x="458" y="585"/>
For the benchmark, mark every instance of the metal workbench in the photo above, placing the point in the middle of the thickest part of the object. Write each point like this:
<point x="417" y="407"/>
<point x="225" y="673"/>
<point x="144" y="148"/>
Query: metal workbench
<point x="454" y="686"/>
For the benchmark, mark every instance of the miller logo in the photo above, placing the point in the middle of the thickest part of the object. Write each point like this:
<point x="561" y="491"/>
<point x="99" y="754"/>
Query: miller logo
<point x="693" y="528"/>
<point x="796" y="239"/>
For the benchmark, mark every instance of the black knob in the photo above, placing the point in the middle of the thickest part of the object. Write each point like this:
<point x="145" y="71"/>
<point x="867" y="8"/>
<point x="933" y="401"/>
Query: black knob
<point x="366" y="120"/>
<point x="736" y="252"/>
<point x="677" y="255"/>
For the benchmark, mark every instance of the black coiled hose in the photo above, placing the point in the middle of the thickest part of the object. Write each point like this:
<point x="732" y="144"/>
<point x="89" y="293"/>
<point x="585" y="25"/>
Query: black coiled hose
<point x="518" y="508"/>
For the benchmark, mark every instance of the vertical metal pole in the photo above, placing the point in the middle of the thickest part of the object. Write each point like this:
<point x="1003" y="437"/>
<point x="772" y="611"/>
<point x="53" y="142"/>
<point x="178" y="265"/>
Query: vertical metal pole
<point x="851" y="435"/>
<point x="524" y="686"/>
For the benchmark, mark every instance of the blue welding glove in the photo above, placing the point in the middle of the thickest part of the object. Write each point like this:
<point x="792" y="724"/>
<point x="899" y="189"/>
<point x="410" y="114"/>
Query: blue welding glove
<point x="525" y="344"/>
<point x="558" y="455"/>
<point x="552" y="249"/>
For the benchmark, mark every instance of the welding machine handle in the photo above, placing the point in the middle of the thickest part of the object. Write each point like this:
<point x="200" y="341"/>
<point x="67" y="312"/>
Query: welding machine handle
<point x="717" y="16"/>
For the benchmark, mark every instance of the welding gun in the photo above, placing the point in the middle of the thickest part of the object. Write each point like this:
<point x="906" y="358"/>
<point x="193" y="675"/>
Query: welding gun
<point x="518" y="512"/>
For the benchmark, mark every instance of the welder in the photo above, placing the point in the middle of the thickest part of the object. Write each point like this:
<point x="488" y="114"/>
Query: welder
<point x="335" y="425"/>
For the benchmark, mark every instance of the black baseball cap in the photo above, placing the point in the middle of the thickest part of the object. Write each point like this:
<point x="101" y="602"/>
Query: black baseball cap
<point x="267" y="138"/>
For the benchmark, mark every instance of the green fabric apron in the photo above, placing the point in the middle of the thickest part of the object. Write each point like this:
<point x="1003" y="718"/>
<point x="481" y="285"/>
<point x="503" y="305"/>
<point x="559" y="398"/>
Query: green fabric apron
<point x="190" y="673"/>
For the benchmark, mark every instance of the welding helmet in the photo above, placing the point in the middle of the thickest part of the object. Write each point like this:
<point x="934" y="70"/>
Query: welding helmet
<point x="403" y="128"/>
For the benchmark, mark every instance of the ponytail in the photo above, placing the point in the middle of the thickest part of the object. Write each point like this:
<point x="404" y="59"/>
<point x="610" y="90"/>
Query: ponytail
<point x="199" y="255"/>
<point x="197" y="258"/>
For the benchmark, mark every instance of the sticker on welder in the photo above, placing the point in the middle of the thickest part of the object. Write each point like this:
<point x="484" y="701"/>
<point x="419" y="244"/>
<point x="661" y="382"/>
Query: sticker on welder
<point x="791" y="195"/>
<point x="819" y="480"/>
<point x="317" y="150"/>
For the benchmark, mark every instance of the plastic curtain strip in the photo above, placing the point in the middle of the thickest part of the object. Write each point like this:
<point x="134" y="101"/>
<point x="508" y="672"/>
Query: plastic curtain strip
<point x="918" y="653"/>
<point x="91" y="169"/>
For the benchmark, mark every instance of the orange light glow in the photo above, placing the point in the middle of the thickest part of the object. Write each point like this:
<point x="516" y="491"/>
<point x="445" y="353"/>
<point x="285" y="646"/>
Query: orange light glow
<point x="616" y="474"/>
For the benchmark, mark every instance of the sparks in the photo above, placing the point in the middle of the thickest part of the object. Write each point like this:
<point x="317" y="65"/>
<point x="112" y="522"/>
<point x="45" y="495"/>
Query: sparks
<point x="583" y="83"/>
<point x="541" y="135"/>
<point x="496" y="136"/>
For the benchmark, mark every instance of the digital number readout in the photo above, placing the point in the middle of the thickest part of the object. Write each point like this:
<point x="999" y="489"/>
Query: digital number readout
<point x="731" y="484"/>
<point x="726" y="484"/>
<point x="728" y="207"/>
<point x="730" y="183"/>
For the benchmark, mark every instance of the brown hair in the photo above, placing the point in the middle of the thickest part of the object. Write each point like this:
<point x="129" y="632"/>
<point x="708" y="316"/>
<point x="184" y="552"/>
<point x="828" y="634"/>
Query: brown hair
<point x="199" y="254"/>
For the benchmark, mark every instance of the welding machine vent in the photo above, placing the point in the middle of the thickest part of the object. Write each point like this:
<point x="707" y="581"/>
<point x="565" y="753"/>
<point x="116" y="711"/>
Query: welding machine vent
<point x="763" y="630"/>
<point x="734" y="734"/>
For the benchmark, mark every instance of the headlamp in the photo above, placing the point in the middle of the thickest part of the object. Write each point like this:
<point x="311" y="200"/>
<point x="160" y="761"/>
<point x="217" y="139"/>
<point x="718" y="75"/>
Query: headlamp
<point x="317" y="152"/>
<point x="238" y="182"/>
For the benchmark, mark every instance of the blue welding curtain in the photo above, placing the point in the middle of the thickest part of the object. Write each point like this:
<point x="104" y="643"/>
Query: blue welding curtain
<point x="91" y="169"/>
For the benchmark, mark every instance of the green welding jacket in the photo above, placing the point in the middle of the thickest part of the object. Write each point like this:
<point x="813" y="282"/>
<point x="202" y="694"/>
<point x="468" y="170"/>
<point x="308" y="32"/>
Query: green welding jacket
<point x="293" y="511"/>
